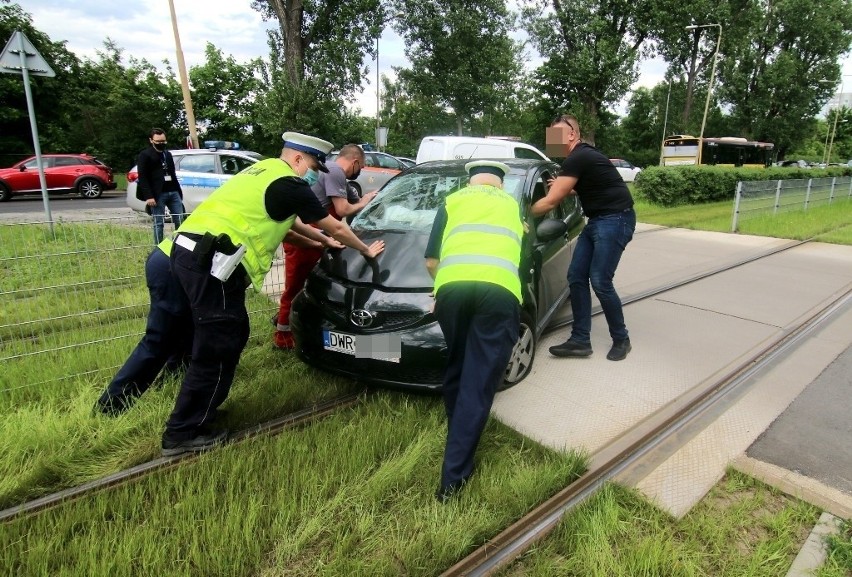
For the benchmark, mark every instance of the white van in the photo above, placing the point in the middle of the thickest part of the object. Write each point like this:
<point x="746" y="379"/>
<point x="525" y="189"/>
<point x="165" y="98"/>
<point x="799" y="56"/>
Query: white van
<point x="463" y="147"/>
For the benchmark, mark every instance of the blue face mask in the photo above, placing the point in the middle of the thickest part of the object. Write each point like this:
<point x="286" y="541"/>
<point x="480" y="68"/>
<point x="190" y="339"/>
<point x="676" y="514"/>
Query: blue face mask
<point x="311" y="177"/>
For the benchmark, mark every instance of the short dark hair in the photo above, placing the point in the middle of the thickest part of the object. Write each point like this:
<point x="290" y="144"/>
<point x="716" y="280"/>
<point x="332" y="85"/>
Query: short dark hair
<point x="568" y="119"/>
<point x="352" y="151"/>
<point x="156" y="131"/>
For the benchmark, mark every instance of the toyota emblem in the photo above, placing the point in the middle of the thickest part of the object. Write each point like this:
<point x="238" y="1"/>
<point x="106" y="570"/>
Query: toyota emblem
<point x="361" y="318"/>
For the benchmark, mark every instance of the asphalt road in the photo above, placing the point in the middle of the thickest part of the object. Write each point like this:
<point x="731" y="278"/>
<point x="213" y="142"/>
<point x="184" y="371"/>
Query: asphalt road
<point x="65" y="202"/>
<point x="812" y="436"/>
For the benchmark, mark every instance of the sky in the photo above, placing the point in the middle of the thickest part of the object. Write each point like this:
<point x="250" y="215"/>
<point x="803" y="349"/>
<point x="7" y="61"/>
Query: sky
<point x="143" y="28"/>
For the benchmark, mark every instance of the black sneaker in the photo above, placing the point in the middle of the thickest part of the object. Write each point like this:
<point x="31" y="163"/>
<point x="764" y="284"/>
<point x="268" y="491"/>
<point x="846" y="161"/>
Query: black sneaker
<point x="194" y="445"/>
<point x="571" y="349"/>
<point x="619" y="350"/>
<point x="444" y="494"/>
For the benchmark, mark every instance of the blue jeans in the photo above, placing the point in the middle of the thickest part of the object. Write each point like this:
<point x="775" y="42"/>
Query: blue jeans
<point x="595" y="259"/>
<point x="173" y="202"/>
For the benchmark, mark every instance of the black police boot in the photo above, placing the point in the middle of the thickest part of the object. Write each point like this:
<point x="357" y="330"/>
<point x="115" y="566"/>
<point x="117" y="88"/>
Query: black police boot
<point x="195" y="445"/>
<point x="619" y="350"/>
<point x="571" y="349"/>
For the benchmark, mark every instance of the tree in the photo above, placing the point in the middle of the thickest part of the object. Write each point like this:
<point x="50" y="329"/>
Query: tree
<point x="461" y="54"/>
<point x="50" y="102"/>
<point x="591" y="50"/>
<point x="771" y="69"/>
<point x="224" y="95"/>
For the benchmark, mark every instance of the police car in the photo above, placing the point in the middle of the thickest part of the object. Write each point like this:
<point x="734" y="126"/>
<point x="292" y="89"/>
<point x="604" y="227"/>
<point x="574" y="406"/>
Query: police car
<point x="199" y="171"/>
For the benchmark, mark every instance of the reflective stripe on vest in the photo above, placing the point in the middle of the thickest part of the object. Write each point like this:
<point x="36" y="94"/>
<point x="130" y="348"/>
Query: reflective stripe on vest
<point x="238" y="209"/>
<point x="482" y="239"/>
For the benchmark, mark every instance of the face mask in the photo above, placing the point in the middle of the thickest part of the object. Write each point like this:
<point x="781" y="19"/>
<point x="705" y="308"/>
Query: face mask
<point x="311" y="177"/>
<point x="160" y="147"/>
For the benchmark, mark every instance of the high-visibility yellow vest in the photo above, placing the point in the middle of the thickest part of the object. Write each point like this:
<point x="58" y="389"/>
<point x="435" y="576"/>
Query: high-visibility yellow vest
<point x="237" y="208"/>
<point x="482" y="239"/>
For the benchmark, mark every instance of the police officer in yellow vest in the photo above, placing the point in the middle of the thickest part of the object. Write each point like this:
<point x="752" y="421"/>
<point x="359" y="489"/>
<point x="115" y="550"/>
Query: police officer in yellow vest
<point x="227" y="242"/>
<point x="473" y="254"/>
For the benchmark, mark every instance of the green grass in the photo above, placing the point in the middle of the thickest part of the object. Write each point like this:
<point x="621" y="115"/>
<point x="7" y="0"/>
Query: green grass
<point x="826" y="223"/>
<point x="351" y="495"/>
<point x="742" y="528"/>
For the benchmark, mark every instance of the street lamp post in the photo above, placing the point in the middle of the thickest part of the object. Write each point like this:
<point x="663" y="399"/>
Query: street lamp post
<point x="710" y="85"/>
<point x="836" y="115"/>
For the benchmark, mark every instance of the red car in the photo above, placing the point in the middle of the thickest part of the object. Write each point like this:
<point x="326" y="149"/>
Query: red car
<point x="63" y="173"/>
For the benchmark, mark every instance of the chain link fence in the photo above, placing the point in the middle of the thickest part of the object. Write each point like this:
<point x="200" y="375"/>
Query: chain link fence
<point x="74" y="294"/>
<point x="762" y="197"/>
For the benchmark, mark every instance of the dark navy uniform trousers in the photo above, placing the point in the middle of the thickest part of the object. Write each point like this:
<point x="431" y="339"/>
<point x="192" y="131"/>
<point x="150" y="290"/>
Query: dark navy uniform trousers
<point x="221" y="331"/>
<point x="481" y="322"/>
<point x="168" y="337"/>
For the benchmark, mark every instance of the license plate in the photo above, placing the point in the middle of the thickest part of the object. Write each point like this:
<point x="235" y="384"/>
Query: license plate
<point x="378" y="347"/>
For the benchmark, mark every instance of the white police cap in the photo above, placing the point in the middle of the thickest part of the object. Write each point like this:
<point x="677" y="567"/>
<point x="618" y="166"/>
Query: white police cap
<point x="487" y="167"/>
<point x="316" y="147"/>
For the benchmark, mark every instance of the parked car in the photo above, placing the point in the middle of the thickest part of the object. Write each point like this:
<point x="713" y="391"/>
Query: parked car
<point x="380" y="168"/>
<point x="352" y="314"/>
<point x="627" y="171"/>
<point x="468" y="147"/>
<point x="63" y="174"/>
<point x="408" y="162"/>
<point x="199" y="171"/>
<point x="794" y="164"/>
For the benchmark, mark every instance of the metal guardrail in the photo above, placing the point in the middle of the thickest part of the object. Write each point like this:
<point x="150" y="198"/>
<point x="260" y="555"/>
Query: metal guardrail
<point x="764" y="197"/>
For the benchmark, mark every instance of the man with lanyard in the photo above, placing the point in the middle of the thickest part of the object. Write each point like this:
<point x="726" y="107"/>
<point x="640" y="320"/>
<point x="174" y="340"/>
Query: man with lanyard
<point x="241" y="224"/>
<point x="340" y="200"/>
<point x="158" y="185"/>
<point x="473" y="254"/>
<point x="607" y="203"/>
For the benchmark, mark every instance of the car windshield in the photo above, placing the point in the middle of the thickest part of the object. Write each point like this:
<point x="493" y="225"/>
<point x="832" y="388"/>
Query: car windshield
<point x="411" y="201"/>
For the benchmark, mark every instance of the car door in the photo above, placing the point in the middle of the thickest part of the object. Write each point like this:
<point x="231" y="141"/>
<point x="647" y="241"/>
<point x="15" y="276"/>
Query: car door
<point x="198" y="176"/>
<point x="65" y="172"/>
<point x="27" y="180"/>
<point x="548" y="261"/>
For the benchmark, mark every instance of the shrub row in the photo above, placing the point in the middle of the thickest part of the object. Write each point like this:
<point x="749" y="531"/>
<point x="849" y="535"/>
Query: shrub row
<point x="678" y="185"/>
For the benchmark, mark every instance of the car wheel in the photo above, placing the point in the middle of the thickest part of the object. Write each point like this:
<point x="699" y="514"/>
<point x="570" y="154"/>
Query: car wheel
<point x="520" y="363"/>
<point x="90" y="188"/>
<point x="4" y="193"/>
<point x="357" y="187"/>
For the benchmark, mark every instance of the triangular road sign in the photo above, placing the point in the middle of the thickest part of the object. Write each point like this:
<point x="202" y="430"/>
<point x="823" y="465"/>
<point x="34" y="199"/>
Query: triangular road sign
<point x="10" y="59"/>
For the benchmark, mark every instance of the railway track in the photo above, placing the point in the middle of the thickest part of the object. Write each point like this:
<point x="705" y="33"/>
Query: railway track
<point x="273" y="427"/>
<point x="622" y="454"/>
<point x="638" y="447"/>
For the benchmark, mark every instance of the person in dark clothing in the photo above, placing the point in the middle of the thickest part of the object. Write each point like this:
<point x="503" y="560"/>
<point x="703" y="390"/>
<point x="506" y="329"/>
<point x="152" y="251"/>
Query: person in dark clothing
<point x="608" y="205"/>
<point x="473" y="254"/>
<point x="158" y="185"/>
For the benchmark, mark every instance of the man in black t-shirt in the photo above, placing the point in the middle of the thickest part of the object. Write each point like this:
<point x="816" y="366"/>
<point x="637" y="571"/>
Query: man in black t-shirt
<point x="158" y="185"/>
<point x="607" y="203"/>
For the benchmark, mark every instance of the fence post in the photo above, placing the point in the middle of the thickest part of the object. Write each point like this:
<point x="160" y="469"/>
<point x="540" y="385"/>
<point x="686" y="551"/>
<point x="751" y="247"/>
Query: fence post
<point x="808" y="193"/>
<point x="831" y="194"/>
<point x="737" y="205"/>
<point x="850" y="188"/>
<point x="777" y="198"/>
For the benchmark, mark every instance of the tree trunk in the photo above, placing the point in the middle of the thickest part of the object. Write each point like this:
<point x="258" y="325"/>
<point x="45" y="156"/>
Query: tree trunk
<point x="290" y="14"/>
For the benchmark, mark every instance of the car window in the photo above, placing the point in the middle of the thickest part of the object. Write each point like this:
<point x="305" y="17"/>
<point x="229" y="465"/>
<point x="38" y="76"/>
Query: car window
<point x="67" y="161"/>
<point x="46" y="161"/>
<point x="371" y="160"/>
<point x="526" y="153"/>
<point x="410" y="202"/>
<point x="196" y="163"/>
<point x="386" y="161"/>
<point x="233" y="164"/>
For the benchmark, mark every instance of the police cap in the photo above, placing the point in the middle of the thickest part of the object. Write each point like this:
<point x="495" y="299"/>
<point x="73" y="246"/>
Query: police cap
<point x="316" y="147"/>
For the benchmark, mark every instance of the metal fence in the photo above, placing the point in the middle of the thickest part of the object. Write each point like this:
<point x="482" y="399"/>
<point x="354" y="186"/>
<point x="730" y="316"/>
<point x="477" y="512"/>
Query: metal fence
<point x="771" y="197"/>
<point x="74" y="294"/>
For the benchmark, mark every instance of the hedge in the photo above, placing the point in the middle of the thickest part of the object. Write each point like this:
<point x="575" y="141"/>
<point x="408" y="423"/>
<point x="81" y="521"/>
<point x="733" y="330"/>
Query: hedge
<point x="679" y="185"/>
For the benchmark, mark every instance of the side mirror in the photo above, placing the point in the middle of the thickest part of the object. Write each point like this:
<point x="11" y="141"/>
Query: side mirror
<point x="550" y="229"/>
<point x="23" y="168"/>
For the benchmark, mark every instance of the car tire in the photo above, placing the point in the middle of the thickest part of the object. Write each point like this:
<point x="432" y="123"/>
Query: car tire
<point x="357" y="187"/>
<point x="90" y="188"/>
<point x="5" y="194"/>
<point x="521" y="361"/>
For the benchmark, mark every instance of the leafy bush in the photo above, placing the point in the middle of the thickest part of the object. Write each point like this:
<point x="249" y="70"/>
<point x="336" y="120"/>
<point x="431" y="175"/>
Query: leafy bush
<point x="679" y="185"/>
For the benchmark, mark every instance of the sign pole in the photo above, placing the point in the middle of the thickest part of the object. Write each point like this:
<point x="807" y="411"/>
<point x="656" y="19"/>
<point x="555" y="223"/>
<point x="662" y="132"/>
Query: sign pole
<point x="36" y="145"/>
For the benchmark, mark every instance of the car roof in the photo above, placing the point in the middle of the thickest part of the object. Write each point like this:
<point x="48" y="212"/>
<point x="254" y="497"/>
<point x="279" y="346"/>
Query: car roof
<point x="193" y="151"/>
<point x="516" y="164"/>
